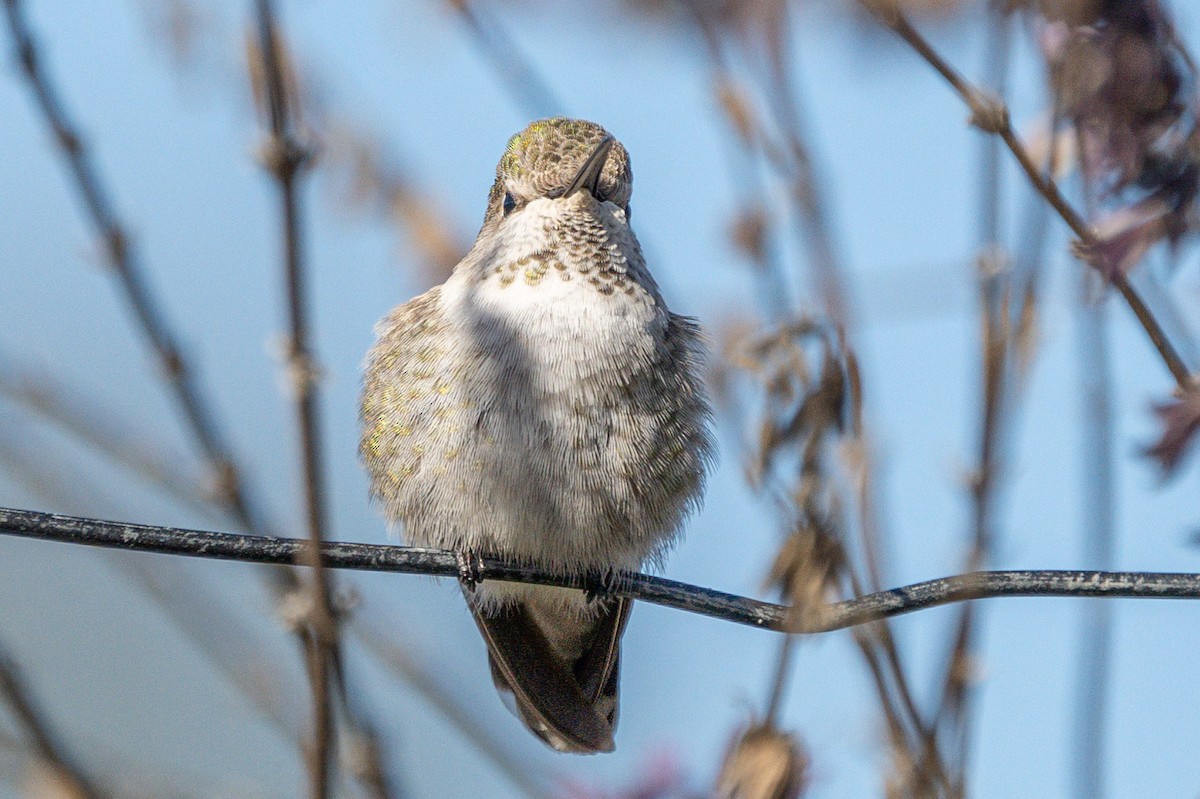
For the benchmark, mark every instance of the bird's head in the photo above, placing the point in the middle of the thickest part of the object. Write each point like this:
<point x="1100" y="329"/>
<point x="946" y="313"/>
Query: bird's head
<point x="557" y="160"/>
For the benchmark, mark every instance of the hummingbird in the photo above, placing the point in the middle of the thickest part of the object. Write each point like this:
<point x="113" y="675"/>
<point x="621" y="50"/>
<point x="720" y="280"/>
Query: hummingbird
<point x="544" y="407"/>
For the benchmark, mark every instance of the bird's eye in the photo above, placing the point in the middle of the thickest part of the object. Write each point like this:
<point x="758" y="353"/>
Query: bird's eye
<point x="509" y="203"/>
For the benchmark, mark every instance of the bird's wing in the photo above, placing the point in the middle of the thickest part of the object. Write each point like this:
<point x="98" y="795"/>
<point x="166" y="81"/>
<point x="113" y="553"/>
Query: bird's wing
<point x="597" y="671"/>
<point x="571" y="706"/>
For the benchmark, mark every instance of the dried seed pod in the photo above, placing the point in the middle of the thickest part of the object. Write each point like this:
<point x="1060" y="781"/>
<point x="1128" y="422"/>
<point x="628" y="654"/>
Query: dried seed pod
<point x="763" y="762"/>
<point x="805" y="570"/>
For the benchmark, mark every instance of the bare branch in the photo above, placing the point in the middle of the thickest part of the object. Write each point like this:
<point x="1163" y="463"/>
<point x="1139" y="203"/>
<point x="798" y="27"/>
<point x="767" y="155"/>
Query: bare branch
<point x="657" y="590"/>
<point x="49" y="749"/>
<point x="176" y="367"/>
<point x="193" y="404"/>
<point x="379" y="638"/>
<point x="786" y="149"/>
<point x="286" y="159"/>
<point x="991" y="116"/>
<point x="1099" y="494"/>
<point x="69" y="411"/>
<point x="511" y="64"/>
<point x="952" y="714"/>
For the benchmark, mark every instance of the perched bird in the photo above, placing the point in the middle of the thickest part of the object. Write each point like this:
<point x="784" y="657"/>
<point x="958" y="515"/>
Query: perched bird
<point x="543" y="406"/>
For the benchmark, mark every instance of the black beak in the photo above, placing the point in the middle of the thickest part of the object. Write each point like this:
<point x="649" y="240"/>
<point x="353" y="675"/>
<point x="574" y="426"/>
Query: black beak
<point x="588" y="176"/>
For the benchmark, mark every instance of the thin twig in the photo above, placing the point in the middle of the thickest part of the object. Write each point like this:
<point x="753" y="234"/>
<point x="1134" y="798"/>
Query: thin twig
<point x="49" y="749"/>
<point x="286" y="159"/>
<point x="123" y="256"/>
<point x="796" y="165"/>
<point x="525" y="84"/>
<point x="1099" y="492"/>
<point x="995" y="285"/>
<point x="194" y="406"/>
<point x="364" y="756"/>
<point x="915" y="738"/>
<point x="1099" y="532"/>
<point x="991" y="116"/>
<point x="657" y="590"/>
<point x="230" y="647"/>
<point x="379" y="638"/>
<point x="754" y="230"/>
<point x="779" y="679"/>
<point x="186" y="603"/>
<point x="68" y="412"/>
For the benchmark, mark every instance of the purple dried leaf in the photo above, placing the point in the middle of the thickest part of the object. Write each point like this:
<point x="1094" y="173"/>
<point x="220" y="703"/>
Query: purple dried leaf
<point x="1126" y="234"/>
<point x="1180" y="420"/>
<point x="1121" y="75"/>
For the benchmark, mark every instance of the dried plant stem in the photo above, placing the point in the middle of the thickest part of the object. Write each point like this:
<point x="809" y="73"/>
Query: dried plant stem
<point x="758" y="242"/>
<point x="1099" y="491"/>
<point x="525" y="84"/>
<point x="285" y="158"/>
<point x="42" y="397"/>
<point x="364" y="756"/>
<point x="788" y="153"/>
<point x="48" y="748"/>
<point x="887" y="644"/>
<point x="913" y="738"/>
<point x="1047" y="188"/>
<point x="174" y="362"/>
<point x="193" y="404"/>
<point x="779" y="679"/>
<point x="795" y="163"/>
<point x="995" y="358"/>
<point x="380" y="639"/>
<point x="990" y="115"/>
<point x="660" y="591"/>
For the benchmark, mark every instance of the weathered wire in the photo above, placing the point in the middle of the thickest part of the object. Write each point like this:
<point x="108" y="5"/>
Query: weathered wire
<point x="657" y="590"/>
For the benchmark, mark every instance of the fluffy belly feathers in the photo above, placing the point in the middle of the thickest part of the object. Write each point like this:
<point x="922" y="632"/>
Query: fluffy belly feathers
<point x="541" y="434"/>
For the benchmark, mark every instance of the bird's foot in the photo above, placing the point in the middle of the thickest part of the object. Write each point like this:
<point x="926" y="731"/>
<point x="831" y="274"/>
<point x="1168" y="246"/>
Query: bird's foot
<point x="470" y="568"/>
<point x="604" y="587"/>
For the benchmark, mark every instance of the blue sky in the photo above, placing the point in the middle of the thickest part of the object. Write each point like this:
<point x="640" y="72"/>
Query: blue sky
<point x="126" y="687"/>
